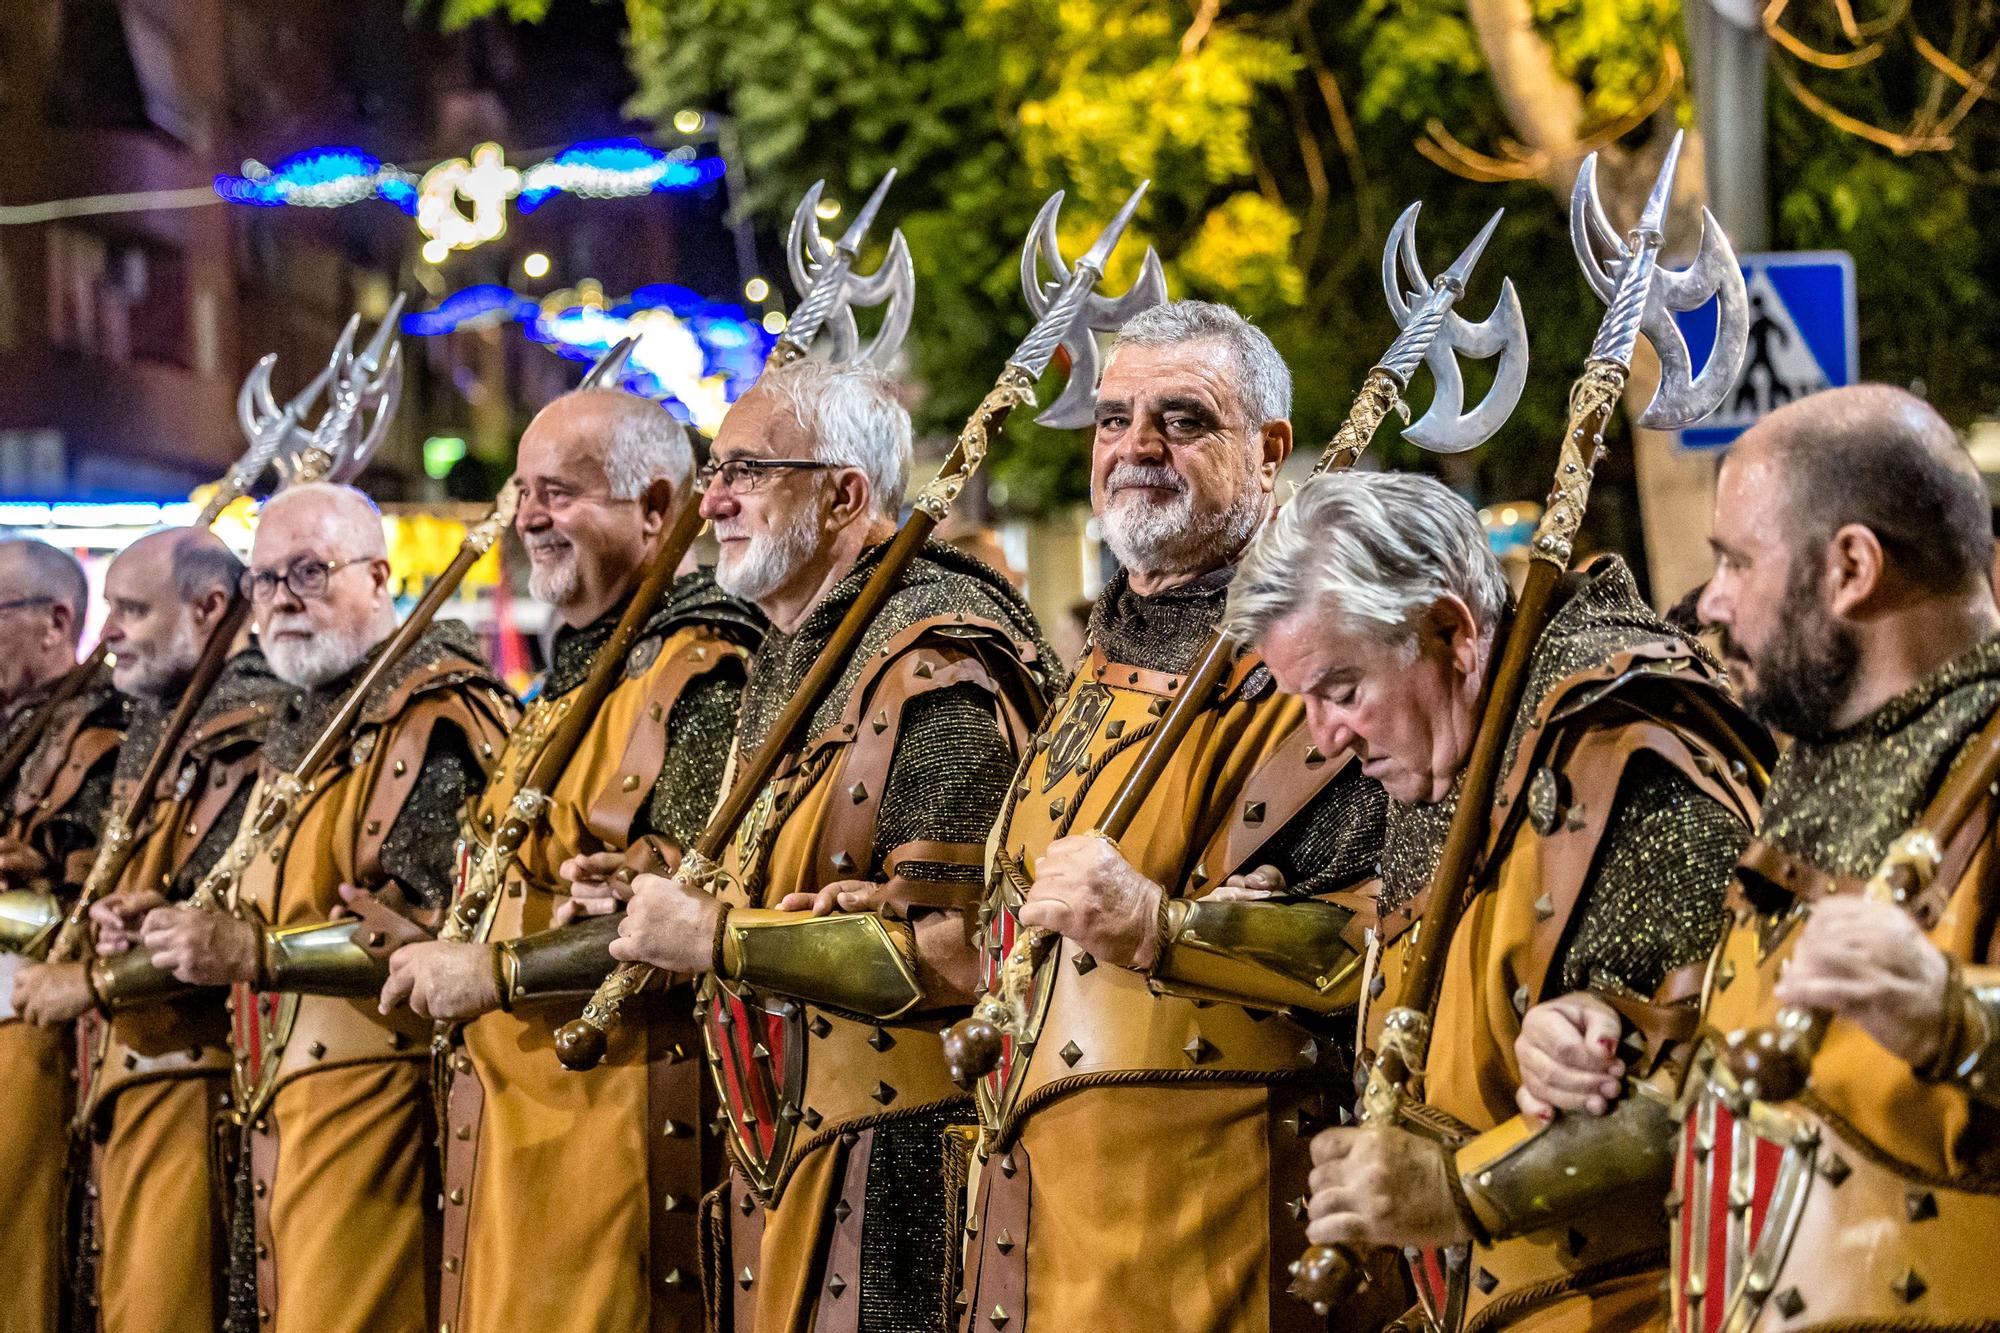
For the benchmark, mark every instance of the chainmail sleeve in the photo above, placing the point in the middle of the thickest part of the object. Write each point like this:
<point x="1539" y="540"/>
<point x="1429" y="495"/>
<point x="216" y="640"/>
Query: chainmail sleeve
<point x="699" y="731"/>
<point x="1656" y="901"/>
<point x="946" y="782"/>
<point x="419" y="852"/>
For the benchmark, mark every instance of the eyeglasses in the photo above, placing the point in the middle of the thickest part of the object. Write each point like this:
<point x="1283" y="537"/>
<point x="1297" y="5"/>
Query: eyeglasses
<point x="307" y="579"/>
<point x="23" y="603"/>
<point x="745" y="475"/>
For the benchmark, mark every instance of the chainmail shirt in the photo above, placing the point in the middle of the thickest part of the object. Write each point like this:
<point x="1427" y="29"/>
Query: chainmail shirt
<point x="1655" y="900"/>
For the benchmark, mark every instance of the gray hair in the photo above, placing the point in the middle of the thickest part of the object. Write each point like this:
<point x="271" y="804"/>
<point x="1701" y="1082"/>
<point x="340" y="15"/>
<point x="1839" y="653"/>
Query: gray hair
<point x="344" y="508"/>
<point x="855" y="420"/>
<point x="1263" y="381"/>
<point x="1375" y="551"/>
<point x="647" y="444"/>
<point x="55" y="574"/>
<point x="202" y="564"/>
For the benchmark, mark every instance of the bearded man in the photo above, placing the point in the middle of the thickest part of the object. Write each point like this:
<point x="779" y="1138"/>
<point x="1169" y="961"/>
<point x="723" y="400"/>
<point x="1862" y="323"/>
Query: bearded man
<point x="1181" y="1028"/>
<point x="601" y="476"/>
<point x="1623" y="798"/>
<point x="51" y="809"/>
<point x="152" y="1081"/>
<point x="838" y="945"/>
<point x="335" y="1212"/>
<point x="1853" y="547"/>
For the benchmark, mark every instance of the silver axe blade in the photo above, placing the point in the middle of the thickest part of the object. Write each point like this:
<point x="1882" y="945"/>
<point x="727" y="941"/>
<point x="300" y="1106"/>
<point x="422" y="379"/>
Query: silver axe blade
<point x="1094" y="314"/>
<point x="366" y="390"/>
<point x="1643" y="296"/>
<point x="271" y="431"/>
<point x="830" y="290"/>
<point x="1434" y="334"/>
<point x="609" y="372"/>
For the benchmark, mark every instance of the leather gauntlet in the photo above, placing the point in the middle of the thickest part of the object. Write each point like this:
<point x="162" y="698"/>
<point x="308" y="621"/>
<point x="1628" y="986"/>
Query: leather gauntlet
<point x="321" y="959"/>
<point x="862" y="963"/>
<point x="569" y="960"/>
<point x="122" y="981"/>
<point x="1521" y="1177"/>
<point x="28" y="920"/>
<point x="1969" y="1047"/>
<point x="1266" y="955"/>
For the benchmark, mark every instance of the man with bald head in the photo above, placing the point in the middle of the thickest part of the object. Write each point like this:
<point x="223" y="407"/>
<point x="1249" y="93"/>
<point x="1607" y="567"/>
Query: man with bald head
<point x="335" y="1212"/>
<point x="602" y="475"/>
<point x="153" y="1082"/>
<point x="52" y="806"/>
<point x="1853" y="546"/>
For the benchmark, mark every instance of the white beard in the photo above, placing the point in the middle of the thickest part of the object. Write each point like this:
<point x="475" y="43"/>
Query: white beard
<point x="1147" y="535"/>
<point x="553" y="580"/>
<point x="312" y="662"/>
<point x="763" y="564"/>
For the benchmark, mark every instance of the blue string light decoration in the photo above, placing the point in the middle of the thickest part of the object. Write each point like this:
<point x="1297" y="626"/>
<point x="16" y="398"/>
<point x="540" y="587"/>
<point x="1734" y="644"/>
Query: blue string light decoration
<point x="694" y="356"/>
<point x="460" y="203"/>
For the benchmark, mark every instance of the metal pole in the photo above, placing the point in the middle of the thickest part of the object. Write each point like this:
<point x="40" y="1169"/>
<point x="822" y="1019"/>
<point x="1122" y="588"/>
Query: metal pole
<point x="1730" y="52"/>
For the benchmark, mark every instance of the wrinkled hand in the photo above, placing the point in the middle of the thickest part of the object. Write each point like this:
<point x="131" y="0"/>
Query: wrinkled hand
<point x="847" y="895"/>
<point x="19" y="862"/>
<point x="1870" y="964"/>
<point x="202" y="948"/>
<point x="117" y="917"/>
<point x="1568" y="1054"/>
<point x="1087" y="892"/>
<point x="446" y="980"/>
<point x="599" y="883"/>
<point x="668" y="925"/>
<point x="51" y="994"/>
<point x="1259" y="884"/>
<point x="1381" y="1187"/>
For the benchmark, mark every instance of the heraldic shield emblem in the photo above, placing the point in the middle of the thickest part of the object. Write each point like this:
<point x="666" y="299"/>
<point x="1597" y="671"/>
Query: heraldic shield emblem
<point x="1740" y="1181"/>
<point x="757" y="1057"/>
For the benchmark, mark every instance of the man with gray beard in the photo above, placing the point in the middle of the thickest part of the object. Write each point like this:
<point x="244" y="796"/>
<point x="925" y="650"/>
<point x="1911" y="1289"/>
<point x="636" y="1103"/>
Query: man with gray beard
<point x="148" y="1256"/>
<point x="335" y="1205"/>
<point x="1184" y="1030"/>
<point x="602" y="476"/>
<point x="839" y="929"/>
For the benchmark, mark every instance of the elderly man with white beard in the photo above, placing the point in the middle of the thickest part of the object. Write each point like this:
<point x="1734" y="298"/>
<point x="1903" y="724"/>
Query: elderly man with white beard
<point x="336" y="1191"/>
<point x="1146" y="1150"/>
<point x="837" y="949"/>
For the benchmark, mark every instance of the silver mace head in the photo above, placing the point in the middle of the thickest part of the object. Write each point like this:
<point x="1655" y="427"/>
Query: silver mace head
<point x="830" y="291"/>
<point x="1436" y="335"/>
<point x="1642" y="296"/>
<point x="366" y="389"/>
<point x="271" y="431"/>
<point x="1070" y="312"/>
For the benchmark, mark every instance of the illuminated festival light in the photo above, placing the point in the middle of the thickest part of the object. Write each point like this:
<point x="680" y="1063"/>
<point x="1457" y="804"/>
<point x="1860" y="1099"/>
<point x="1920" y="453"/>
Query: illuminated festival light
<point x="462" y="202"/>
<point x="694" y="356"/>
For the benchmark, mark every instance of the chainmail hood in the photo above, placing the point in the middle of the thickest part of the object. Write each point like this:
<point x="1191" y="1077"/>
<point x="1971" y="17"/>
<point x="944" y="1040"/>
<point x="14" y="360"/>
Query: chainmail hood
<point x="306" y="712"/>
<point x="1166" y="631"/>
<point x="693" y="596"/>
<point x="1838" y="801"/>
<point x="245" y="679"/>
<point x="941" y="581"/>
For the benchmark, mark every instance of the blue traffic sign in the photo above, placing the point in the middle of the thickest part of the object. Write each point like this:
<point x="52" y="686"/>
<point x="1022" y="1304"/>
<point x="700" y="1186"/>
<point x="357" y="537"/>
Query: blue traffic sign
<point x="1803" y="338"/>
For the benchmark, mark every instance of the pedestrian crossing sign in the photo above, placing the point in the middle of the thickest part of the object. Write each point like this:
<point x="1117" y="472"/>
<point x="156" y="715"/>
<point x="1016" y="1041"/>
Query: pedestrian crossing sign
<point x="1802" y="338"/>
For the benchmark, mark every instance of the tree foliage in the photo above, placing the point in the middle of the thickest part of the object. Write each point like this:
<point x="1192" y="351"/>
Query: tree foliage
<point x="1282" y="137"/>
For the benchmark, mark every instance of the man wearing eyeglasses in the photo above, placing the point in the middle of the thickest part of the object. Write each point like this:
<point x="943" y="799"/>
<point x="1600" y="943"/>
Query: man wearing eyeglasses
<point x="336" y="1195"/>
<point x="51" y="809"/>
<point x="837" y="948"/>
<point x="152" y="1083"/>
<point x="602" y="476"/>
